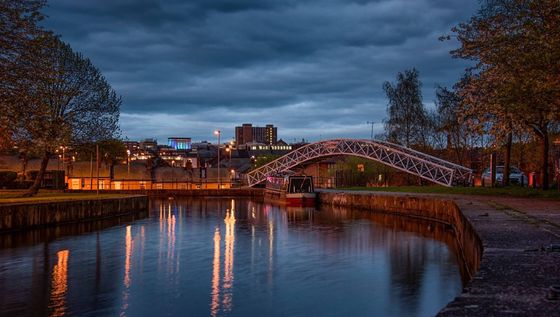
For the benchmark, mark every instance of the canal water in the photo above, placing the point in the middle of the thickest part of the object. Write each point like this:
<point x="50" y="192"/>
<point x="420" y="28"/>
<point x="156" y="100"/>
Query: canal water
<point x="231" y="257"/>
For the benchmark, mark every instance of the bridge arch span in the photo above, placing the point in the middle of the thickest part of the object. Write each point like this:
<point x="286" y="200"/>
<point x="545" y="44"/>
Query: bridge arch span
<point x="414" y="162"/>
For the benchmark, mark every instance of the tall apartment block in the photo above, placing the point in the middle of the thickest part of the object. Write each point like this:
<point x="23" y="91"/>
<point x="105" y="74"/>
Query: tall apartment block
<point x="246" y="133"/>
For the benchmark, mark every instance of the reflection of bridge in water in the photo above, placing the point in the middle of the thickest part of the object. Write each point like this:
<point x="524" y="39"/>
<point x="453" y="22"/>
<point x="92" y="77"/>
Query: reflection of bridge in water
<point x="416" y="163"/>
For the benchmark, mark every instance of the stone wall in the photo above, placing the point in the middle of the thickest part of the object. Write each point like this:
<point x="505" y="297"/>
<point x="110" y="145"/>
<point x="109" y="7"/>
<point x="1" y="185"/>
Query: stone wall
<point x="432" y="208"/>
<point x="32" y="215"/>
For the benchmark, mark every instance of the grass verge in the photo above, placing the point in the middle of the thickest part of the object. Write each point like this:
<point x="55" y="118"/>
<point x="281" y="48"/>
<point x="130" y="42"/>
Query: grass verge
<point x="13" y="197"/>
<point x="512" y="191"/>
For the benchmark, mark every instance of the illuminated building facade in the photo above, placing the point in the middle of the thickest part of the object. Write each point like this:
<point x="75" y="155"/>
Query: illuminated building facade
<point x="132" y="146"/>
<point x="148" y="144"/>
<point x="249" y="134"/>
<point x="179" y="143"/>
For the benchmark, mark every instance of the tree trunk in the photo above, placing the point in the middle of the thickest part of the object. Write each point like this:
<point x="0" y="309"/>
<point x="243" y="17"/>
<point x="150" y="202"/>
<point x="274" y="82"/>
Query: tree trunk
<point x="34" y="189"/>
<point x="25" y="160"/>
<point x="544" y="160"/>
<point x="507" y="160"/>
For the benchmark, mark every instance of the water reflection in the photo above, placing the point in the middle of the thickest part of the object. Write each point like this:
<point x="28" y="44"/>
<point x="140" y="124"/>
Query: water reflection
<point x="215" y="305"/>
<point x="228" y="258"/>
<point x="229" y="246"/>
<point x="33" y="237"/>
<point x="59" y="285"/>
<point x="127" y="265"/>
<point x="276" y="261"/>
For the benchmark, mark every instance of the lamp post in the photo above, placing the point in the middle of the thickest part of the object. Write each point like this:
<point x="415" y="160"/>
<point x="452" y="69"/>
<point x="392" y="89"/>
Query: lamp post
<point x="371" y="123"/>
<point x="218" y="133"/>
<point x="63" y="148"/>
<point x="229" y="150"/>
<point x="128" y="169"/>
<point x="63" y="162"/>
<point x="128" y="162"/>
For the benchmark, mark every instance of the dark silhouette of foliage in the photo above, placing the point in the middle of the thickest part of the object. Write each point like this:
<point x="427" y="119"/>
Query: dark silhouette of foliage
<point x="515" y="83"/>
<point x="66" y="102"/>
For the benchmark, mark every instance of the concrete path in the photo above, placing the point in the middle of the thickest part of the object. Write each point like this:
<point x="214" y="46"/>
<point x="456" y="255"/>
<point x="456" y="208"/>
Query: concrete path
<point x="520" y="261"/>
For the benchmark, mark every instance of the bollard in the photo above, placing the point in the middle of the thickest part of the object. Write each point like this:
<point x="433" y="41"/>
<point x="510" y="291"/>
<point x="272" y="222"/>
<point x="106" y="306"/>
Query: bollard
<point x="533" y="180"/>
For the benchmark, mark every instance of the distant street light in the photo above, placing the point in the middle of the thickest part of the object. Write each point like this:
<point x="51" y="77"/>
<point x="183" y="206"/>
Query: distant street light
<point x="63" y="164"/>
<point x="229" y="150"/>
<point x="372" y="123"/>
<point x="218" y="133"/>
<point x="128" y="164"/>
<point x="62" y="157"/>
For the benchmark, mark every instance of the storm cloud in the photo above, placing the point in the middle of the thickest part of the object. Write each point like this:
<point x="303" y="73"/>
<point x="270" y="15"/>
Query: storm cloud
<point x="314" y="68"/>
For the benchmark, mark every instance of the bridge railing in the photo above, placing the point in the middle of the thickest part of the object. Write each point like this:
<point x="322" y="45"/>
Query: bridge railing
<point x="423" y="165"/>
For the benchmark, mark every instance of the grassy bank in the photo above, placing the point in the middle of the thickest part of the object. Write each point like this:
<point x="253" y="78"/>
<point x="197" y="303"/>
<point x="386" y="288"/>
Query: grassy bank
<point x="514" y="191"/>
<point x="11" y="197"/>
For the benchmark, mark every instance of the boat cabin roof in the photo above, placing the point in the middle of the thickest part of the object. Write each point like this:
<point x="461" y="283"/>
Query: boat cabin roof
<point x="300" y="184"/>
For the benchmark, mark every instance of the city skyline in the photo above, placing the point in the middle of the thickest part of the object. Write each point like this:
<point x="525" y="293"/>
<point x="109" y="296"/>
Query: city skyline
<point x="314" y="69"/>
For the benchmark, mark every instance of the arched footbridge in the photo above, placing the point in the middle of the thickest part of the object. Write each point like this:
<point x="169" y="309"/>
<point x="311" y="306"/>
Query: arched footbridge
<point x="416" y="163"/>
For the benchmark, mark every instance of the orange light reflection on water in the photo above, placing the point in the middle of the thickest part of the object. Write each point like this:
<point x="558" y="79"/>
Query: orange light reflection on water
<point x="59" y="284"/>
<point x="228" y="258"/>
<point x="127" y="259"/>
<point x="215" y="306"/>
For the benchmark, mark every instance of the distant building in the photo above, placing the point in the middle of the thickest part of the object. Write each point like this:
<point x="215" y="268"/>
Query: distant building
<point x="148" y="144"/>
<point x="179" y="143"/>
<point x="258" y="149"/>
<point x="249" y="134"/>
<point x="132" y="146"/>
<point x="202" y="145"/>
<point x="178" y="158"/>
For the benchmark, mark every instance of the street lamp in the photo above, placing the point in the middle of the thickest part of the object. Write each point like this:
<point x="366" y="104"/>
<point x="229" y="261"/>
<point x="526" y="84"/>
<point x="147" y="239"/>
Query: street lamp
<point x="371" y="123"/>
<point x="128" y="162"/>
<point x="218" y="133"/>
<point x="63" y="148"/>
<point x="229" y="150"/>
<point x="63" y="159"/>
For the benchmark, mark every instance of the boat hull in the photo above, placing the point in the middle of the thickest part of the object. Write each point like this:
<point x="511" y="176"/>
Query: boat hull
<point x="301" y="199"/>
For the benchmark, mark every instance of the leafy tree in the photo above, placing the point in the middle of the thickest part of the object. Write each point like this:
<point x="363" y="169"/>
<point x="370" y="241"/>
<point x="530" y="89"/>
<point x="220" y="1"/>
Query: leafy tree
<point x="407" y="116"/>
<point x="68" y="101"/>
<point x="516" y="47"/>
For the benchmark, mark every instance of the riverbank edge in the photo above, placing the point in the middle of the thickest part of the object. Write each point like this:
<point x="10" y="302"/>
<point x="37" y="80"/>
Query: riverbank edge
<point x="508" y="278"/>
<point x="23" y="216"/>
<point x="159" y="193"/>
<point x="430" y="208"/>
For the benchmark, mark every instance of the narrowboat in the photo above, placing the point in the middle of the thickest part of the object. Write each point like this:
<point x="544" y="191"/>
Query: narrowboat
<point x="296" y="191"/>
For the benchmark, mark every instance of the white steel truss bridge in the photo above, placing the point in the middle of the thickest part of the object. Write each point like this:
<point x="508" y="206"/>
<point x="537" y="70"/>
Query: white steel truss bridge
<point x="417" y="163"/>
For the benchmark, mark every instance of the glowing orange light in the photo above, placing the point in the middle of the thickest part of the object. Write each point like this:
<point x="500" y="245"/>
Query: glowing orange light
<point x="228" y="260"/>
<point x="128" y="255"/>
<point x="215" y="306"/>
<point x="59" y="284"/>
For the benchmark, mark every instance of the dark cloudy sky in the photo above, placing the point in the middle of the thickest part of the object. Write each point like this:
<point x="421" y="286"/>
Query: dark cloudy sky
<point x="314" y="68"/>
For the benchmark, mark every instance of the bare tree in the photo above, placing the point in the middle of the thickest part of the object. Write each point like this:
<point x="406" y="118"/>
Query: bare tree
<point x="407" y="117"/>
<point x="458" y="137"/>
